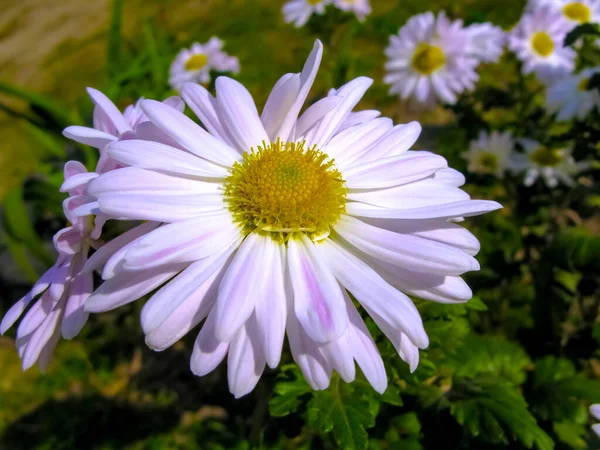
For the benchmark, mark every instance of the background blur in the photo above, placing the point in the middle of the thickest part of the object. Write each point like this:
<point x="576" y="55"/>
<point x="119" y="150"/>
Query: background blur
<point x="106" y="390"/>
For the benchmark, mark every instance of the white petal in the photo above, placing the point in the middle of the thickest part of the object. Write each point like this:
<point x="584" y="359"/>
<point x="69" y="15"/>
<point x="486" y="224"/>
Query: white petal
<point x="36" y="315"/>
<point x="396" y="142"/>
<point x="204" y="106"/>
<point x="188" y="134"/>
<point x="239" y="115"/>
<point x="111" y="111"/>
<point x="208" y="350"/>
<point x="77" y="181"/>
<point x="40" y="337"/>
<point x="13" y="314"/>
<point x="465" y="208"/>
<point x="75" y="316"/>
<point x="89" y="136"/>
<point x="314" y="113"/>
<point x="280" y="100"/>
<point x="450" y="177"/>
<point x="245" y="362"/>
<point x="318" y="301"/>
<point x="393" y="170"/>
<point x="339" y="354"/>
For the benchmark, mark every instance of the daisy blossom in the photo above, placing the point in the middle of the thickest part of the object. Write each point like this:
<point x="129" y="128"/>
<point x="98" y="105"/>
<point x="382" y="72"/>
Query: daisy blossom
<point x="489" y="153"/>
<point x="271" y="221"/>
<point x="299" y="11"/>
<point x="595" y="412"/>
<point x="537" y="41"/>
<point x="575" y="12"/>
<point x="195" y="63"/>
<point x="552" y="165"/>
<point x="361" y="8"/>
<point x="427" y="60"/>
<point x="485" y="41"/>
<point x="570" y="98"/>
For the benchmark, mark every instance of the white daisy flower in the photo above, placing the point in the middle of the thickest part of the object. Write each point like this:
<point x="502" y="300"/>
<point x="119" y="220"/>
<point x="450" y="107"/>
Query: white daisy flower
<point x="570" y="98"/>
<point x="272" y="220"/>
<point x="485" y="41"/>
<point x="299" y="11"/>
<point x="489" y="154"/>
<point x="552" y="165"/>
<point x="538" y="40"/>
<point x="195" y="64"/>
<point x="595" y="412"/>
<point x="361" y="8"/>
<point x="575" y="12"/>
<point x="427" y="61"/>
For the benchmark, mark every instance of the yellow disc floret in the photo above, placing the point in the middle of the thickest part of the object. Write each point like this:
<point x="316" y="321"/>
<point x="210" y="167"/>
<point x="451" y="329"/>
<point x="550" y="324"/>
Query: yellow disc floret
<point x="488" y="161"/>
<point x="284" y="188"/>
<point x="542" y="43"/>
<point x="196" y="62"/>
<point x="578" y="12"/>
<point x="546" y="157"/>
<point x="428" y="58"/>
<point x="314" y="2"/>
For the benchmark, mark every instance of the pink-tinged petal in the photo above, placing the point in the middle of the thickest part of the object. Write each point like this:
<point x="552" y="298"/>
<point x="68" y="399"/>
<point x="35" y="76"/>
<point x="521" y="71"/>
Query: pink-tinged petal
<point x="110" y="110"/>
<point x="48" y="350"/>
<point x="318" y="300"/>
<point x="465" y="208"/>
<point x="189" y="283"/>
<point x="77" y="181"/>
<point x="307" y="78"/>
<point x="89" y="136"/>
<point x="374" y="293"/>
<point x="239" y="115"/>
<point x="68" y="241"/>
<point x="245" y="362"/>
<point x="204" y="106"/>
<point x="417" y="194"/>
<point x="314" y="113"/>
<point x="188" y="134"/>
<point x="41" y="336"/>
<point x="147" y="131"/>
<point x="450" y="177"/>
<point x="396" y="142"/>
<point x="271" y="309"/>
<point x="73" y="168"/>
<point x="36" y="315"/>
<point x="75" y="316"/>
<point x="350" y="95"/>
<point x="128" y="287"/>
<point x="364" y="350"/>
<point x="185" y="241"/>
<point x="175" y="102"/>
<point x="102" y="255"/>
<point x="13" y="314"/>
<point x="208" y="350"/>
<point x="162" y="158"/>
<point x="393" y="170"/>
<point x="242" y="287"/>
<point x="188" y="314"/>
<point x="339" y="355"/>
<point x="405" y="251"/>
<point x="282" y="97"/>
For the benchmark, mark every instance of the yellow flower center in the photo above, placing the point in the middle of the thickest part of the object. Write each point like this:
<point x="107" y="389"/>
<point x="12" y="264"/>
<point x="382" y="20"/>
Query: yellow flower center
<point x="578" y="12"/>
<point x="428" y="58"/>
<point x="196" y="62"/>
<point x="314" y="2"/>
<point x="584" y="84"/>
<point x="284" y="188"/>
<point x="488" y="161"/>
<point x="545" y="156"/>
<point x="542" y="43"/>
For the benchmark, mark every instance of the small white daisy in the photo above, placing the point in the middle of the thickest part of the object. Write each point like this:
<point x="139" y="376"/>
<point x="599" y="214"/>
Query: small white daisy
<point x="595" y="412"/>
<point x="361" y="8"/>
<point x="575" y="12"/>
<point x="552" y="165"/>
<point x="489" y="154"/>
<point x="570" y="98"/>
<point x="427" y="60"/>
<point x="538" y="40"/>
<point x="195" y="64"/>
<point x="299" y="11"/>
<point x="485" y="41"/>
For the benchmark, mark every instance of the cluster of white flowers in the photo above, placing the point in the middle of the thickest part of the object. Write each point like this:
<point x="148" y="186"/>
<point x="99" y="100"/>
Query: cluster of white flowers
<point x="299" y="11"/>
<point x="258" y="226"/>
<point x="538" y="41"/>
<point x="495" y="153"/>
<point x="433" y="59"/>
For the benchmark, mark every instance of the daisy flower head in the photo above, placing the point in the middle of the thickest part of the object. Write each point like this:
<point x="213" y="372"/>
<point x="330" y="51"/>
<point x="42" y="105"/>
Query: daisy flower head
<point x="539" y="161"/>
<point x="299" y="11"/>
<point x="361" y="8"/>
<point x="570" y="97"/>
<point x="576" y="12"/>
<point x="194" y="64"/>
<point x="485" y="41"/>
<point x="538" y="40"/>
<point x="595" y="412"/>
<point x="427" y="62"/>
<point x="489" y="154"/>
<point x="271" y="222"/>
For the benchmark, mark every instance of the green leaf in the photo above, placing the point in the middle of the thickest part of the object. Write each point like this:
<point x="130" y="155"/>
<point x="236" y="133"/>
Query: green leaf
<point x="586" y="29"/>
<point x="347" y="410"/>
<point x="288" y="390"/>
<point x="571" y="434"/>
<point x="492" y="409"/>
<point x="576" y="248"/>
<point x="114" y="37"/>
